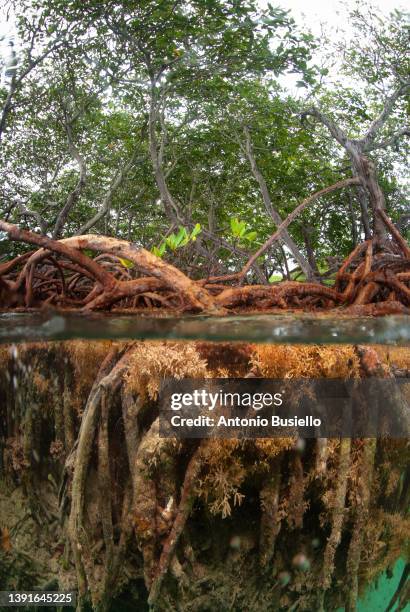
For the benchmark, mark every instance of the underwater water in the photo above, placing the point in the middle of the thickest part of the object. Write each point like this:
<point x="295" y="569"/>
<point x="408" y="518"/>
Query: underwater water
<point x="378" y="596"/>
<point x="272" y="524"/>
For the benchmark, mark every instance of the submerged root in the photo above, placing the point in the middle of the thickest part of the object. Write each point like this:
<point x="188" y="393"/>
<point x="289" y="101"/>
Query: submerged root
<point x="270" y="519"/>
<point x="97" y="401"/>
<point x="182" y="514"/>
<point x="338" y="511"/>
<point x="402" y="593"/>
<point x="261" y="524"/>
<point x="361" y="516"/>
<point x="145" y="507"/>
<point x="296" y="498"/>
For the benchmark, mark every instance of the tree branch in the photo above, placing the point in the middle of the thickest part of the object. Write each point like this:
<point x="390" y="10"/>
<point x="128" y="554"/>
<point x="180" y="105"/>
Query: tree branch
<point x="334" y="129"/>
<point x="392" y="140"/>
<point x="156" y="158"/>
<point x="106" y="203"/>
<point x="17" y="81"/>
<point x="378" y="123"/>
<point x="294" y="214"/>
<point x="31" y="213"/>
<point x="285" y="237"/>
<point x="74" y="196"/>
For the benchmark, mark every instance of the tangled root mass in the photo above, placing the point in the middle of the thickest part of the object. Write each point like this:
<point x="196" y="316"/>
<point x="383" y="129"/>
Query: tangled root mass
<point x="269" y="524"/>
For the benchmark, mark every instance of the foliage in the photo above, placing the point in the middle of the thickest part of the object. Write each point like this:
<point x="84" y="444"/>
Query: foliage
<point x="130" y="122"/>
<point x="177" y="241"/>
<point x="239" y="230"/>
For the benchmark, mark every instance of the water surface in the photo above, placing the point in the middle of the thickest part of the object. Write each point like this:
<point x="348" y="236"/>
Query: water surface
<point x="271" y="328"/>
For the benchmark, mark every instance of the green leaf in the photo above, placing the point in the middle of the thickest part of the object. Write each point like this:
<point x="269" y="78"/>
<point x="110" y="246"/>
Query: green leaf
<point x="234" y="225"/>
<point x="182" y="238"/>
<point x="242" y="229"/>
<point x="126" y="263"/>
<point x="197" y="230"/>
<point x="157" y="251"/>
<point x="171" y="241"/>
<point x="238" y="228"/>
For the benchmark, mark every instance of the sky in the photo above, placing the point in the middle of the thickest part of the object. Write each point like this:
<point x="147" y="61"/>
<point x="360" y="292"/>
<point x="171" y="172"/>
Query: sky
<point x="330" y="17"/>
<point x="313" y="12"/>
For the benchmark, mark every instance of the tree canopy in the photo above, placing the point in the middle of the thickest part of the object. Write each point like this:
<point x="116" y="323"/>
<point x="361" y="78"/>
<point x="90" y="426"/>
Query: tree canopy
<point x="176" y="125"/>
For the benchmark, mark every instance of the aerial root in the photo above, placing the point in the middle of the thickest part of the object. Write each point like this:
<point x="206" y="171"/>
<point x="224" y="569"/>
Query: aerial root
<point x="371" y="281"/>
<point x="111" y="289"/>
<point x="395" y="233"/>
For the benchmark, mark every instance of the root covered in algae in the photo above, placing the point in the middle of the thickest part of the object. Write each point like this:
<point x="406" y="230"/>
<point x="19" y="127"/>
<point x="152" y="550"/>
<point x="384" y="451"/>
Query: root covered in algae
<point x="92" y="498"/>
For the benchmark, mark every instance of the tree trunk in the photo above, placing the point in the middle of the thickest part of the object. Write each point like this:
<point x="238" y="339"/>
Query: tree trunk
<point x="367" y="173"/>
<point x="364" y="213"/>
<point x="285" y="237"/>
<point x="307" y="237"/>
